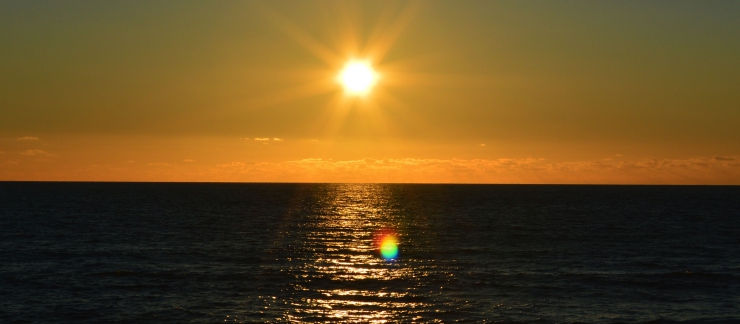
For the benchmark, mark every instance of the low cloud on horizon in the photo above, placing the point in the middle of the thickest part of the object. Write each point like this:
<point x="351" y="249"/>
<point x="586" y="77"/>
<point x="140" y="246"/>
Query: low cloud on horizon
<point x="696" y="170"/>
<point x="35" y="152"/>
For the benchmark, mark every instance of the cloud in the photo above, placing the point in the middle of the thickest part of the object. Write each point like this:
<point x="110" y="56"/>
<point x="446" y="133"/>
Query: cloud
<point x="694" y="170"/>
<point x="188" y="160"/>
<point x="697" y="170"/>
<point x="265" y="139"/>
<point x="34" y="152"/>
<point x="28" y="138"/>
<point x="723" y="158"/>
<point x="483" y="145"/>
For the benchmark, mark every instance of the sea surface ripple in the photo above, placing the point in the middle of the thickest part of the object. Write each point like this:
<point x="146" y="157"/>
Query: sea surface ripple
<point x="273" y="253"/>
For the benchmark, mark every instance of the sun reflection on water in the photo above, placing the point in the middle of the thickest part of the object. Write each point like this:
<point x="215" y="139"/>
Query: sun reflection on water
<point x="336" y="271"/>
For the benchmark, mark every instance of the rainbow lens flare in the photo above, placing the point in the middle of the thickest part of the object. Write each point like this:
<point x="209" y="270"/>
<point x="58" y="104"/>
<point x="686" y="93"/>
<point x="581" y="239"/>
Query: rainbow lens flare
<point x="389" y="247"/>
<point x="387" y="243"/>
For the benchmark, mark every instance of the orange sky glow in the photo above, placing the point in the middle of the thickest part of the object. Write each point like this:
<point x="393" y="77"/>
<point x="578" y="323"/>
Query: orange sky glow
<point x="437" y="92"/>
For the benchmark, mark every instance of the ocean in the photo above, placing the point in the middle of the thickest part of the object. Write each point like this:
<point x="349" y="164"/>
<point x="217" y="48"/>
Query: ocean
<point x="273" y="253"/>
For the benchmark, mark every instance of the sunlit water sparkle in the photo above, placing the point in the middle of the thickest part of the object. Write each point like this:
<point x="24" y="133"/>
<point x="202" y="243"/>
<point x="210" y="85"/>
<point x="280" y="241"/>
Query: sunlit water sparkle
<point x="119" y="253"/>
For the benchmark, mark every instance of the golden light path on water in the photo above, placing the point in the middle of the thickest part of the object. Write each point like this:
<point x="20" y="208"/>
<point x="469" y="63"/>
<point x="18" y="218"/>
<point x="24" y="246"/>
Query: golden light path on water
<point x="331" y="257"/>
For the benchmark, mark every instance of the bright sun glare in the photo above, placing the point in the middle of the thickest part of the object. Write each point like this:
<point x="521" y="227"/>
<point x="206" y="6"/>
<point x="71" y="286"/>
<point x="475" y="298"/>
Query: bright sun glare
<point x="357" y="77"/>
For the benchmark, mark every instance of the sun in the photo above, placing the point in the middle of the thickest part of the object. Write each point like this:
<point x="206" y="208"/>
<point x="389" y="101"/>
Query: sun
<point x="358" y="77"/>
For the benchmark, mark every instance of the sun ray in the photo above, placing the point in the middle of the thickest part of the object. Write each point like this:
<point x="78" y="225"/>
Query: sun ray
<point x="380" y="45"/>
<point x="354" y="63"/>
<point x="287" y="95"/>
<point x="420" y="79"/>
<point x="333" y="116"/>
<point x="348" y="27"/>
<point x="316" y="47"/>
<point x="377" y="123"/>
<point x="396" y="112"/>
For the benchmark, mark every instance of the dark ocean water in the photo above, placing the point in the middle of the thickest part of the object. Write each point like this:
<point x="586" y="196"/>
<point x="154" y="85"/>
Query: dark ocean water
<point x="206" y="253"/>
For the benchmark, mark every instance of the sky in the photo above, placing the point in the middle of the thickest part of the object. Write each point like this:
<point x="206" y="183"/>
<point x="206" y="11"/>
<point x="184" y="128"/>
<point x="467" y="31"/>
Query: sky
<point x="607" y="92"/>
